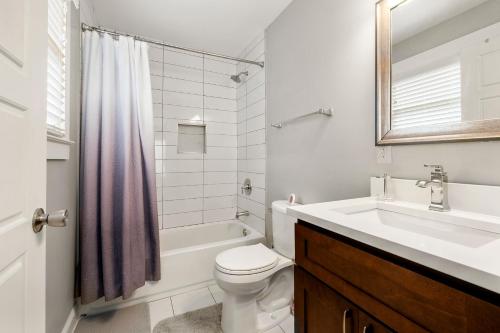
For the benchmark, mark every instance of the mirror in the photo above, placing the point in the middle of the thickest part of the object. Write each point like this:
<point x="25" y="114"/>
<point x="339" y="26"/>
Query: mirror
<point x="438" y="70"/>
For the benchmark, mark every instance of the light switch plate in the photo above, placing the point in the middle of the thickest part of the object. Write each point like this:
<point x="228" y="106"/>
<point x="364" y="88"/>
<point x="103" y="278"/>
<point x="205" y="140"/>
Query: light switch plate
<point x="384" y="155"/>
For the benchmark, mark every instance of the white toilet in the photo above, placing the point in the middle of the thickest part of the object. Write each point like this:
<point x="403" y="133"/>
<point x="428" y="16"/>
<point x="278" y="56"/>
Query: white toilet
<point x="258" y="281"/>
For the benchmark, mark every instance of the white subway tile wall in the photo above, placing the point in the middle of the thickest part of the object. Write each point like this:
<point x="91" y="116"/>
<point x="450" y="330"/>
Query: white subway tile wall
<point x="251" y="135"/>
<point x="189" y="88"/>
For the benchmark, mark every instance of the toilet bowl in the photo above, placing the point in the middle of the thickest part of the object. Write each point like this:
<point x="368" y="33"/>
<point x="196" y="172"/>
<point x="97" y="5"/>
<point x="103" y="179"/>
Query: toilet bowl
<point x="257" y="281"/>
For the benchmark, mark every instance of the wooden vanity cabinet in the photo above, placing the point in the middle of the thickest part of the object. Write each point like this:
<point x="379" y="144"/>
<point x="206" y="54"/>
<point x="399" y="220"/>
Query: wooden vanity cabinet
<point x="319" y="309"/>
<point x="367" y="324"/>
<point x="342" y="285"/>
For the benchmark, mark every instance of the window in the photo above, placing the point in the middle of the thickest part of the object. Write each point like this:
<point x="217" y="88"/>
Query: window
<point x="56" y="69"/>
<point x="428" y="98"/>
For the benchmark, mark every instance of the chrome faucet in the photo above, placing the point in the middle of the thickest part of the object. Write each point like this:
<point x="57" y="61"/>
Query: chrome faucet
<point x="439" y="188"/>
<point x="242" y="213"/>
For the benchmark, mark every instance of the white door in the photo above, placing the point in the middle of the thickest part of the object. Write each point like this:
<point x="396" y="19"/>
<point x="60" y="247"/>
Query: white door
<point x="481" y="76"/>
<point x="23" y="58"/>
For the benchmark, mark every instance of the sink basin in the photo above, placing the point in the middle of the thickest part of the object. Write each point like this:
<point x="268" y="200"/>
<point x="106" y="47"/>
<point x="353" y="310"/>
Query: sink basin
<point x="463" y="242"/>
<point x="451" y="227"/>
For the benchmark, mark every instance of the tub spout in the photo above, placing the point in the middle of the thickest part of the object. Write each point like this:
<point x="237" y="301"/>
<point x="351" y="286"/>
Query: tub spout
<point x="242" y="213"/>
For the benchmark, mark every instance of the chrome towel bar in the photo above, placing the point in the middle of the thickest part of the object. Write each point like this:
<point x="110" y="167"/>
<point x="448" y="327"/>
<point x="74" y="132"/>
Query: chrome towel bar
<point x="324" y="111"/>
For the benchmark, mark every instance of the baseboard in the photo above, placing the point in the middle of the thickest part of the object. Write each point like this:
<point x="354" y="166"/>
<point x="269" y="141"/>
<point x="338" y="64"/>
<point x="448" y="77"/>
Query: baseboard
<point x="71" y="321"/>
<point x="100" y="306"/>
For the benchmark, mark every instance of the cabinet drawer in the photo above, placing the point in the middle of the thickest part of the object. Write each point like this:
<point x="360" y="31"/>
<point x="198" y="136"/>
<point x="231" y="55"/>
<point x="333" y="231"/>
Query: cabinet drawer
<point x="379" y="285"/>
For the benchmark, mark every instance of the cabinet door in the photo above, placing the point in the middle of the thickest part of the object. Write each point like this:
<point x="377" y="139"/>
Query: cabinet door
<point x="319" y="309"/>
<point x="367" y="324"/>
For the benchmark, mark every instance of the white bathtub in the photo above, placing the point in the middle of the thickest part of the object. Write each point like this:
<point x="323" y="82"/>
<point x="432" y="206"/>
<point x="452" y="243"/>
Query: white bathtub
<point x="188" y="253"/>
<point x="187" y="259"/>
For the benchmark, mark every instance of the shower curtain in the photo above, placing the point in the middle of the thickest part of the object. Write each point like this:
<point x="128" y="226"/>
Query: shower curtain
<point x="118" y="234"/>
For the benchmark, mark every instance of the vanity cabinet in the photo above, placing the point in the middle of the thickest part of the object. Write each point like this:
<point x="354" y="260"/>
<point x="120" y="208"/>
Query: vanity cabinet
<point x="342" y="285"/>
<point x="321" y="309"/>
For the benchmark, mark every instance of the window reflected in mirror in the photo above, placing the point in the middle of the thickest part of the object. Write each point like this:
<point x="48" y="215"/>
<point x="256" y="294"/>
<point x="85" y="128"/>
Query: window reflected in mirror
<point x="445" y="62"/>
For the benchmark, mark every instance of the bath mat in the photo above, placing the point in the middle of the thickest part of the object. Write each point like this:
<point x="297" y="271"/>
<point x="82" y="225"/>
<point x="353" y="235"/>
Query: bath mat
<point x="132" y="319"/>
<point x="206" y="320"/>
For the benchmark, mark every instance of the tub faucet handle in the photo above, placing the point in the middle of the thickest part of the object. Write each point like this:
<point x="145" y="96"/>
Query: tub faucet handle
<point x="246" y="188"/>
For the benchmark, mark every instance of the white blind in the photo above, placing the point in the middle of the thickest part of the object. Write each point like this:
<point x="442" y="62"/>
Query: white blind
<point x="56" y="69"/>
<point x="429" y="98"/>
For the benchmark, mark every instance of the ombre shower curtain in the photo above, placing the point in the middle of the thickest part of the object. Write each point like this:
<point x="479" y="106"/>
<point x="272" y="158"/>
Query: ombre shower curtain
<point x="118" y="238"/>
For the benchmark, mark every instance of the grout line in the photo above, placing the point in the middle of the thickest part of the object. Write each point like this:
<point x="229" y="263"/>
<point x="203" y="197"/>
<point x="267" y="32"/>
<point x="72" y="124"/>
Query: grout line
<point x="194" y="81"/>
<point x="192" y="67"/>
<point x="248" y="92"/>
<point x="253" y="117"/>
<point x="209" y="197"/>
<point x="198" y="108"/>
<point x="197" y="211"/>
<point x="213" y="297"/>
<point x="162" y="69"/>
<point x="196" y="94"/>
<point x="252" y="200"/>
<point x="172" y="305"/>
<point x="257" y="101"/>
<point x="201" y="172"/>
<point x="204" y="148"/>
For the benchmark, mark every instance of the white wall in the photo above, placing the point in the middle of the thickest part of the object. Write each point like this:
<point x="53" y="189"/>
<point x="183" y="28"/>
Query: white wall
<point x="251" y="100"/>
<point x="323" y="53"/>
<point x="87" y="12"/>
<point x="477" y="18"/>
<point x="194" y="188"/>
<point x="62" y="193"/>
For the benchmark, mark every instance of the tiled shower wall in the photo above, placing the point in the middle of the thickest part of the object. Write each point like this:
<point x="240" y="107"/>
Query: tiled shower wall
<point x="251" y="103"/>
<point x="189" y="88"/>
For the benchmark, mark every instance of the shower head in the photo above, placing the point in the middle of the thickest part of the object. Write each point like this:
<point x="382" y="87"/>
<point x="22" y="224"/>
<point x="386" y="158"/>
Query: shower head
<point x="237" y="78"/>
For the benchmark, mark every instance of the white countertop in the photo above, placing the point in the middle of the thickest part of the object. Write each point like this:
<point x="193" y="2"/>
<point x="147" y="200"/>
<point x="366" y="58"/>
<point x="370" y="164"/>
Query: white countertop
<point x="470" y="254"/>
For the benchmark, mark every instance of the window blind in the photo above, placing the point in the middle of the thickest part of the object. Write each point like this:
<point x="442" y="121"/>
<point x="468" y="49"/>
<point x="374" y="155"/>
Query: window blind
<point x="429" y="98"/>
<point x="56" y="69"/>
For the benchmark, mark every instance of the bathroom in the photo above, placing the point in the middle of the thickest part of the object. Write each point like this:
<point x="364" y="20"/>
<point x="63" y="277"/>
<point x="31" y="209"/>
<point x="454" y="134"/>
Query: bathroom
<point x="286" y="161"/>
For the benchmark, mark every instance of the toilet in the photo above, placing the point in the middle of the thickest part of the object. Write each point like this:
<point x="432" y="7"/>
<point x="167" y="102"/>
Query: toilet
<point x="258" y="281"/>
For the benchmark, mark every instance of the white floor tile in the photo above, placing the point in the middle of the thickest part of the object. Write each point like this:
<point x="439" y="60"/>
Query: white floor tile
<point x="191" y="301"/>
<point x="287" y="325"/>
<point x="217" y="293"/>
<point x="275" y="329"/>
<point x="160" y="310"/>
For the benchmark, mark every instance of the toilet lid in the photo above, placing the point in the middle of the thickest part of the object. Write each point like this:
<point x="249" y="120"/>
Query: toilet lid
<point x="250" y="259"/>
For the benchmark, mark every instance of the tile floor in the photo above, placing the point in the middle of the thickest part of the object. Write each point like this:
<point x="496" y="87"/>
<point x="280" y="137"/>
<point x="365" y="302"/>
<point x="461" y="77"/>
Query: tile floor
<point x="197" y="299"/>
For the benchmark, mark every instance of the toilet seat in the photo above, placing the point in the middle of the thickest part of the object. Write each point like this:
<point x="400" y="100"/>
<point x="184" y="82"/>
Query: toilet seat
<point x="246" y="260"/>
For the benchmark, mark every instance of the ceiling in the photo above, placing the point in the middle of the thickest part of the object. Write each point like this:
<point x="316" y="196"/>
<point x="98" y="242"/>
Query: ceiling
<point x="224" y="26"/>
<point x="415" y="16"/>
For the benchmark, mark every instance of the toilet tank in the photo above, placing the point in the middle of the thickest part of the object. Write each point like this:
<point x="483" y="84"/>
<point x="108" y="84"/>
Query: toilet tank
<point x="283" y="229"/>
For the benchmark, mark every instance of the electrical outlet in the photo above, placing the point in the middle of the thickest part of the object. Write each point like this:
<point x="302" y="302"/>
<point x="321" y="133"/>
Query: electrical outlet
<point x="384" y="155"/>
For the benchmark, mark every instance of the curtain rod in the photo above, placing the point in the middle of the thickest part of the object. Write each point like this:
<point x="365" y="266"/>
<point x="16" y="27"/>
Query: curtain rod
<point x="143" y="39"/>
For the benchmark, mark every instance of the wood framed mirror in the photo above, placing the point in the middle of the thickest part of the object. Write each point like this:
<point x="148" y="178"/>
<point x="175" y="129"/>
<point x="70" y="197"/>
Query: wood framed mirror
<point x="438" y="71"/>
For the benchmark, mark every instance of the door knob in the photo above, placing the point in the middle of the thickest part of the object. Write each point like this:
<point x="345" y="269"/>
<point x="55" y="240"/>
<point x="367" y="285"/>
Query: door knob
<point x="55" y="219"/>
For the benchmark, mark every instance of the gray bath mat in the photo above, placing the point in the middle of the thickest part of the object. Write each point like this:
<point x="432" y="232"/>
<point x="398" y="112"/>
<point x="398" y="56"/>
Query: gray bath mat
<point x="132" y="319"/>
<point x="206" y="320"/>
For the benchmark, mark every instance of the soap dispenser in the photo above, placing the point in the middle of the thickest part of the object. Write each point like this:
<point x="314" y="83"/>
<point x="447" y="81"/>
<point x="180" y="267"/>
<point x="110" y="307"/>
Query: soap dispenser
<point x="387" y="194"/>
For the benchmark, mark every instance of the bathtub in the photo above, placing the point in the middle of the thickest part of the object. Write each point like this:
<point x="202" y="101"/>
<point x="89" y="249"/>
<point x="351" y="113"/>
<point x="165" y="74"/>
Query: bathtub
<point x="187" y="260"/>
<point x="188" y="253"/>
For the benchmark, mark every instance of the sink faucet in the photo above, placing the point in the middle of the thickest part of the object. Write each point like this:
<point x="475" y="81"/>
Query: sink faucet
<point x="439" y="188"/>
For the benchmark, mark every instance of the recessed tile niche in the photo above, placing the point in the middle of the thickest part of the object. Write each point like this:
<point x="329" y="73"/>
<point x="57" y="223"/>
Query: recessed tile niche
<point x="191" y="138"/>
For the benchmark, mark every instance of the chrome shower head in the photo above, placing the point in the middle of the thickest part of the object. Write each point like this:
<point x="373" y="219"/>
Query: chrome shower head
<point x="237" y="78"/>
